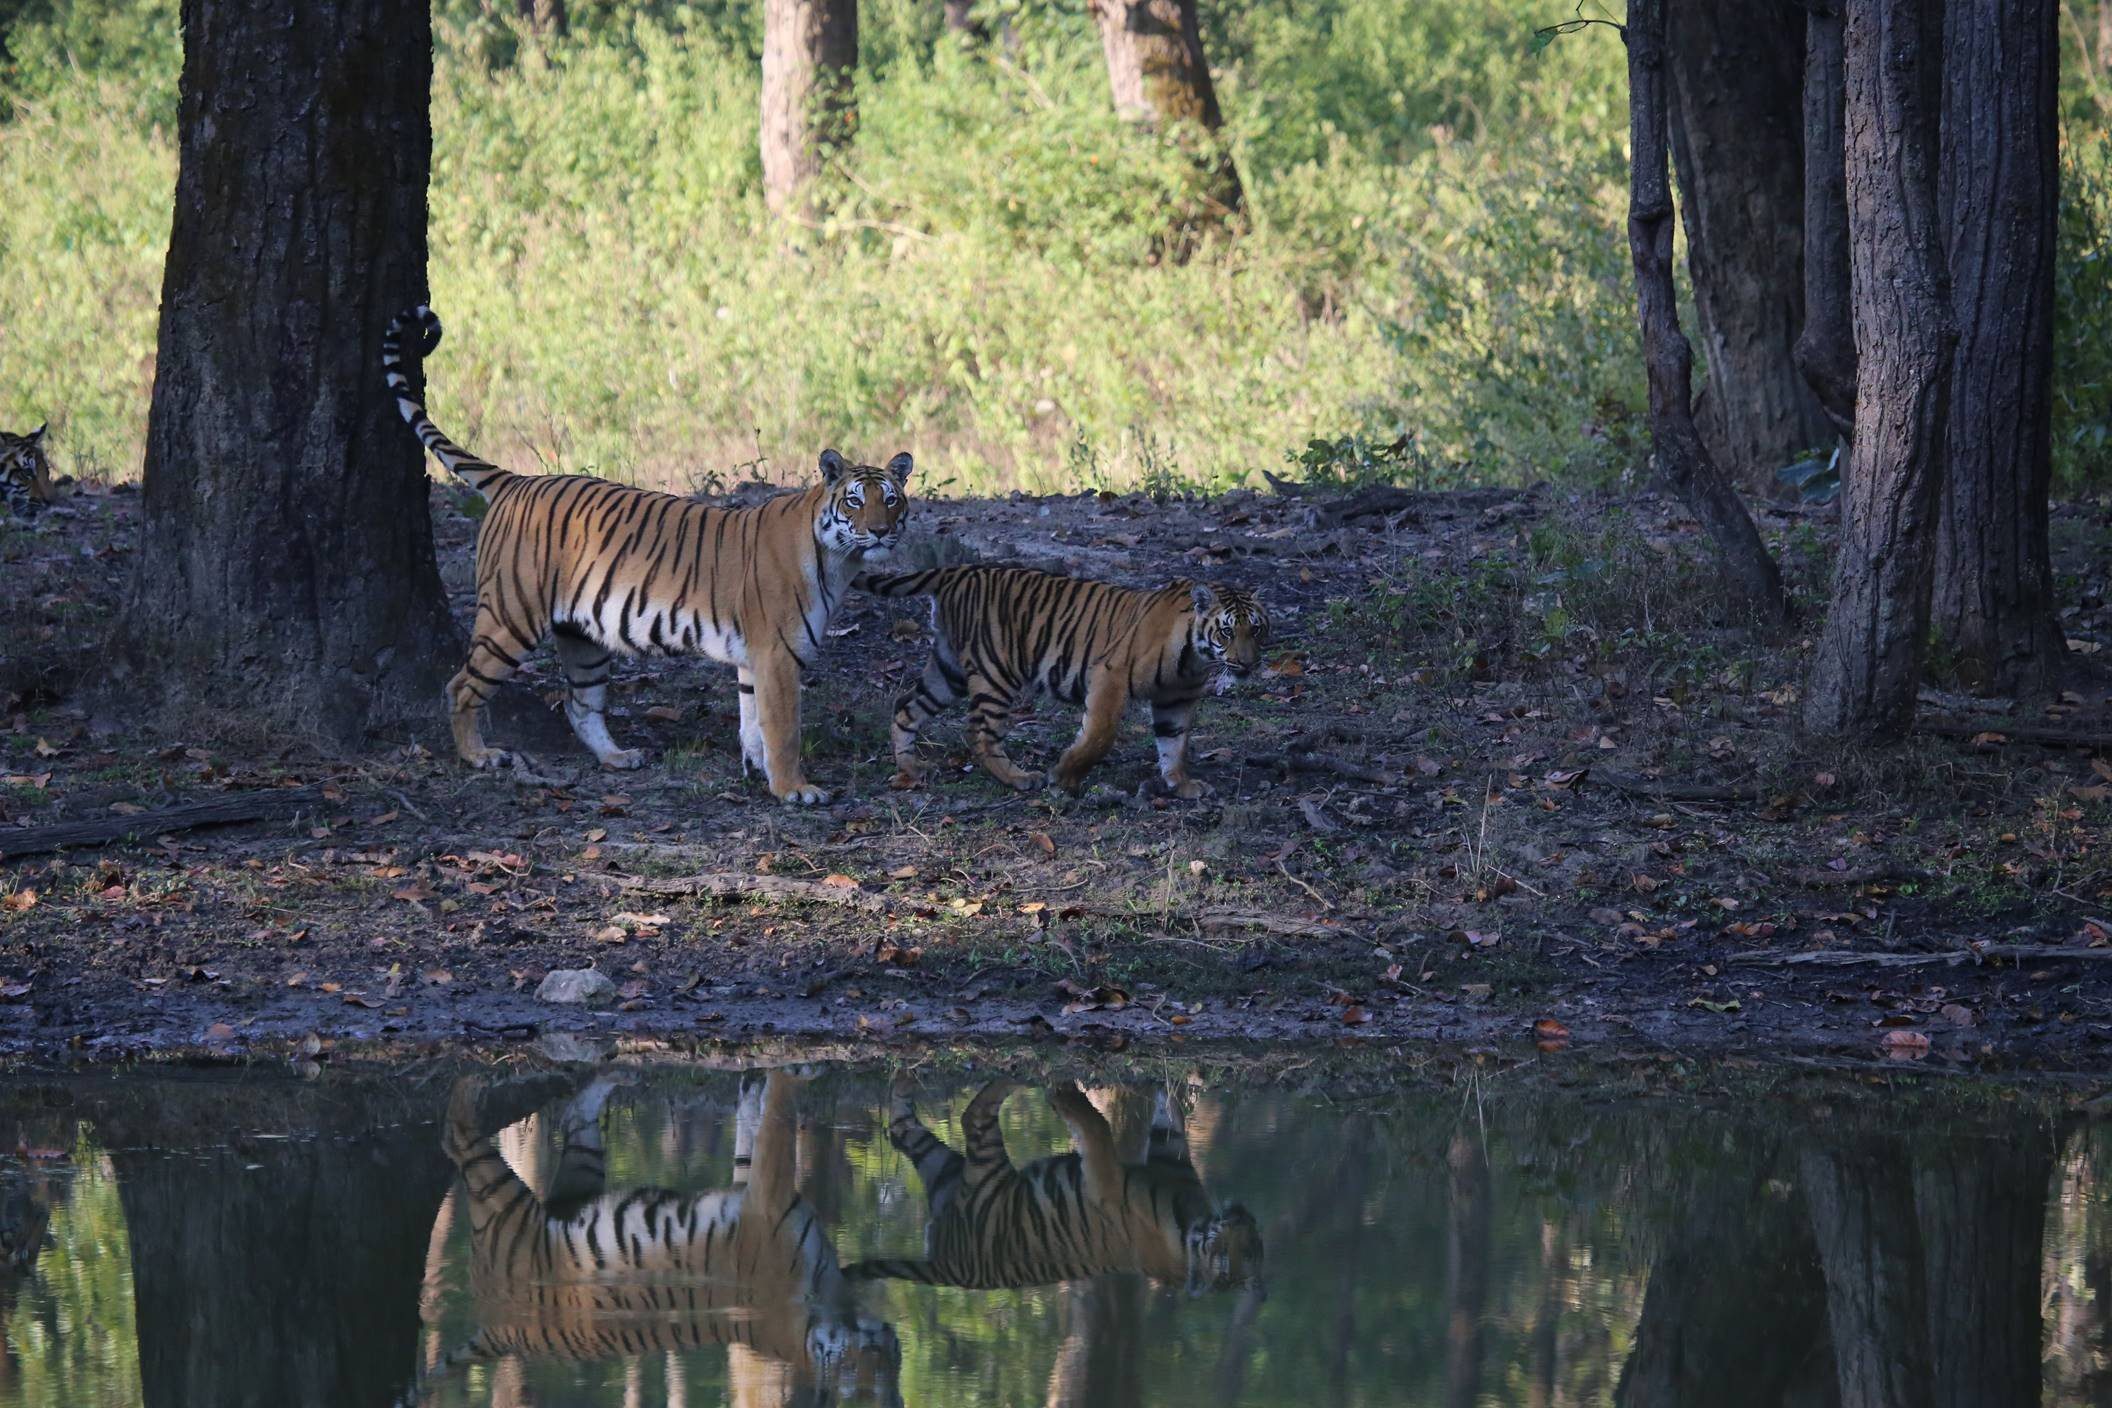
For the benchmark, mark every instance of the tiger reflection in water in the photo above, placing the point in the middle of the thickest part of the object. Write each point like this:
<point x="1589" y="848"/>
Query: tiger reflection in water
<point x="591" y="1273"/>
<point x="1087" y="1213"/>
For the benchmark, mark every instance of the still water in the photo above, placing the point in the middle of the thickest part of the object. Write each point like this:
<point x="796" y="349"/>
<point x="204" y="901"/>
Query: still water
<point x="809" y="1236"/>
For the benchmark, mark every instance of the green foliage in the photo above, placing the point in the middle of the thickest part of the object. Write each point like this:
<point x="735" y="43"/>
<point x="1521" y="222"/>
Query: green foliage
<point x="1433" y="246"/>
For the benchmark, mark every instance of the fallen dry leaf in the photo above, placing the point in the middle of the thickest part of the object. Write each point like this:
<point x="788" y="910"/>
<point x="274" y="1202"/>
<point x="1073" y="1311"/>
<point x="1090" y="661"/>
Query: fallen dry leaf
<point x="19" y="900"/>
<point x="1905" y="1046"/>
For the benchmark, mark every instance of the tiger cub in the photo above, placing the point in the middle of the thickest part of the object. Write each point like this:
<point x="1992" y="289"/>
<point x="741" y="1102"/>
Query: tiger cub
<point x="1005" y="633"/>
<point x="607" y="569"/>
<point x="992" y="1224"/>
<point x="587" y="1272"/>
<point x="25" y="473"/>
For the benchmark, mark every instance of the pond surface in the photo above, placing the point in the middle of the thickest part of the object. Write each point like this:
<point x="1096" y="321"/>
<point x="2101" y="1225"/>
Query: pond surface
<point x="811" y="1236"/>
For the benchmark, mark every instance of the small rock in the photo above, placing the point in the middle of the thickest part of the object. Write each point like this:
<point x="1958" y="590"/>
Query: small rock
<point x="582" y="986"/>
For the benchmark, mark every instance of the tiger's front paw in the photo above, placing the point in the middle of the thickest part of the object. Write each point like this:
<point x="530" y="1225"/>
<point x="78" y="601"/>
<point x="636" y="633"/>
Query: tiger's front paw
<point x="908" y="778"/>
<point x="1069" y="780"/>
<point x="1188" y="789"/>
<point x="624" y="759"/>
<point x="493" y="759"/>
<point x="1030" y="782"/>
<point x="801" y="794"/>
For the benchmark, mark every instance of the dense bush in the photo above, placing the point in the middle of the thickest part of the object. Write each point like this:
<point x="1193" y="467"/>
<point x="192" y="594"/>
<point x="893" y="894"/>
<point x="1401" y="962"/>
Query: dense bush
<point x="1433" y="248"/>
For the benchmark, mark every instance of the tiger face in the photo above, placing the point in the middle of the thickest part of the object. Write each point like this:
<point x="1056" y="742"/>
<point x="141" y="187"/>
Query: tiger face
<point x="25" y="474"/>
<point x="868" y="508"/>
<point x="1224" y="1252"/>
<point x="1231" y="627"/>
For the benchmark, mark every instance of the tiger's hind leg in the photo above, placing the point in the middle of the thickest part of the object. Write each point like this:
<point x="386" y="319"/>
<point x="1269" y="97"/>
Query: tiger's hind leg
<point x="942" y="685"/>
<point x="938" y="1166"/>
<point x="586" y="695"/>
<point x="989" y="716"/>
<point x="1105" y="698"/>
<point x="980" y="1134"/>
<point x="495" y="654"/>
<point x="1169" y="728"/>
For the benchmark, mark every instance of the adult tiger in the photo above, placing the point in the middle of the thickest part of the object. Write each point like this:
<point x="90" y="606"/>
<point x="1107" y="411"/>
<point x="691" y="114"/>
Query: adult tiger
<point x="993" y="1225"/>
<point x="1005" y="633"/>
<point x="25" y="473"/>
<point x="588" y="1273"/>
<point x="608" y="569"/>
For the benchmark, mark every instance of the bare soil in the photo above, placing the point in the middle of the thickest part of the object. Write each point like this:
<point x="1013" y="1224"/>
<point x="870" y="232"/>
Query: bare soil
<point x="1509" y="778"/>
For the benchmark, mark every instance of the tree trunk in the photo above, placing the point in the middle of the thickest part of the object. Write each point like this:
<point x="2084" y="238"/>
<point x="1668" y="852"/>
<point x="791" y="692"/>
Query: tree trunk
<point x="1825" y="350"/>
<point x="1868" y="666"/>
<point x="961" y="21"/>
<point x="1682" y="459"/>
<point x="1158" y="74"/>
<point x="1997" y="196"/>
<point x="1982" y="1214"/>
<point x="283" y="1272"/>
<point x="810" y="50"/>
<point x="286" y="569"/>
<point x="1862" y="1216"/>
<point x="1737" y="146"/>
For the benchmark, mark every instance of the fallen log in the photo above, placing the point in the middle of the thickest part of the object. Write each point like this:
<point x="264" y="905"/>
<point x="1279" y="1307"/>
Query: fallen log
<point x="2017" y="733"/>
<point x="1309" y="760"/>
<point x="1848" y="957"/>
<point x="232" y="809"/>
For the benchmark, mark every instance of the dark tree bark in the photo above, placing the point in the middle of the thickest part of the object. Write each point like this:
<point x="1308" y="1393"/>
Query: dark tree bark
<point x="546" y="17"/>
<point x="1467" y="1222"/>
<point x="1158" y="73"/>
<point x="1737" y="146"/>
<point x="1982" y="1215"/>
<point x="1862" y="1215"/>
<point x="1868" y="665"/>
<point x="1997" y="196"/>
<point x="961" y="20"/>
<point x="1825" y="350"/>
<point x="286" y="570"/>
<point x="1682" y="459"/>
<point x="810" y="51"/>
<point x="1695" y="1341"/>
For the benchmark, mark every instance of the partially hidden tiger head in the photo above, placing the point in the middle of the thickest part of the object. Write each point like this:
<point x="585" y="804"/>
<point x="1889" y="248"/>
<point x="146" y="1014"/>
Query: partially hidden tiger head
<point x="1231" y="626"/>
<point x="867" y="507"/>
<point x="1224" y="1253"/>
<point x="856" y="1359"/>
<point x="25" y="474"/>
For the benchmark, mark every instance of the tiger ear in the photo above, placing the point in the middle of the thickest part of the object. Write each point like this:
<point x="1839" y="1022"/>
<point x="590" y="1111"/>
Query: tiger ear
<point x="832" y="466"/>
<point x="1201" y="598"/>
<point x="38" y="434"/>
<point x="898" y="468"/>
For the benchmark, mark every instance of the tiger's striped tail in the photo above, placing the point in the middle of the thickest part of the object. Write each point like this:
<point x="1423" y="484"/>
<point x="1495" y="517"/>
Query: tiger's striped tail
<point x="900" y="583"/>
<point x="453" y="458"/>
<point x="891" y="1269"/>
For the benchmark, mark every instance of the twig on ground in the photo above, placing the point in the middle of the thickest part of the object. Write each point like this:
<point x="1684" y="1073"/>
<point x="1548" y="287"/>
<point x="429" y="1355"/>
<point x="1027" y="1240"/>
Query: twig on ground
<point x="1307" y="760"/>
<point x="2017" y="733"/>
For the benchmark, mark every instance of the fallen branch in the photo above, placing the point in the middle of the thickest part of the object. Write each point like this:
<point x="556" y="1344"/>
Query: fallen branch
<point x="2017" y="733"/>
<point x="1818" y="877"/>
<point x="1285" y="925"/>
<point x="1847" y="958"/>
<point x="1673" y="791"/>
<point x="230" y="810"/>
<point x="729" y="884"/>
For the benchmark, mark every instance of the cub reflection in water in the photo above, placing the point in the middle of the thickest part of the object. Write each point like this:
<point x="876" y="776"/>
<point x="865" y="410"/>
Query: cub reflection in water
<point x="593" y="1273"/>
<point x="993" y="1224"/>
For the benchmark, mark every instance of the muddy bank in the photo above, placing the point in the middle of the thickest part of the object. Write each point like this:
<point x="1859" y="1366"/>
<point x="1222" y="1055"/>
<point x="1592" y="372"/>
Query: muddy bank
<point x="1506" y="779"/>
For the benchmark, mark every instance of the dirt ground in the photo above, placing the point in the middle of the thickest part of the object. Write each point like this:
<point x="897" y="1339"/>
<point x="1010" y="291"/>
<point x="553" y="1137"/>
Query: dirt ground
<point x="1508" y="779"/>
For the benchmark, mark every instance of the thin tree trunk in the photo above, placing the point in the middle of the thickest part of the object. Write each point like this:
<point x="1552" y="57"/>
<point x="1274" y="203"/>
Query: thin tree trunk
<point x="1682" y="459"/>
<point x="1467" y="1222"/>
<point x="1998" y="190"/>
<point x="1825" y="349"/>
<point x="286" y="570"/>
<point x="1737" y="122"/>
<point x="1158" y="74"/>
<point x="810" y="50"/>
<point x="961" y="20"/>
<point x="1868" y="665"/>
